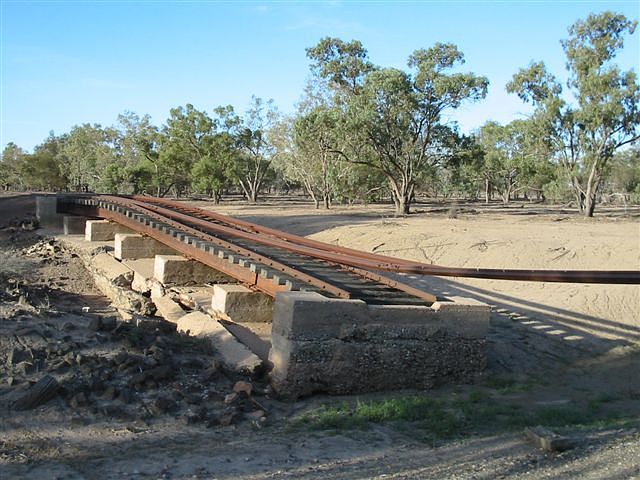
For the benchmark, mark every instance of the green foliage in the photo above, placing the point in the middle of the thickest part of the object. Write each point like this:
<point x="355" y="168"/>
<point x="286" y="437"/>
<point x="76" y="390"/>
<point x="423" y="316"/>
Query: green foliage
<point x="344" y="64"/>
<point x="434" y="419"/>
<point x="389" y="120"/>
<point x="606" y="113"/>
<point x="256" y="149"/>
<point x="11" y="164"/>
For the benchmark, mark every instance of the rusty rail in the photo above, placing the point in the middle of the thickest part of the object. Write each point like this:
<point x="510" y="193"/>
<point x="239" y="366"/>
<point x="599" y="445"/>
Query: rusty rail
<point x="132" y="214"/>
<point x="358" y="259"/>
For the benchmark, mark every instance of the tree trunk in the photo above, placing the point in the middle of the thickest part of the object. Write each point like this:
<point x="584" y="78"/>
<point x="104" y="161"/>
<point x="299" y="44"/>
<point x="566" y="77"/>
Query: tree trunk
<point x="487" y="189"/>
<point x="592" y="190"/>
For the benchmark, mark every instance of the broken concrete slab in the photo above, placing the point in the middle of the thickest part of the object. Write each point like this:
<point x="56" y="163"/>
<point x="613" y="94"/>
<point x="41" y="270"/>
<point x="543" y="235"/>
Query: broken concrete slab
<point x="346" y="346"/>
<point x="241" y="304"/>
<point x="133" y="246"/>
<point x="233" y="355"/>
<point x="195" y="298"/>
<point x="179" y="270"/>
<point x="142" y="274"/>
<point x="550" y="441"/>
<point x="102" y="230"/>
<point x="168" y="309"/>
<point x="112" y="270"/>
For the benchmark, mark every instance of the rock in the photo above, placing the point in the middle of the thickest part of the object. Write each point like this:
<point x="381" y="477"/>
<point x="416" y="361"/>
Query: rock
<point x="11" y="381"/>
<point x="70" y="358"/>
<point x="549" y="441"/>
<point x="255" y="415"/>
<point x="111" y="410"/>
<point x="94" y="324"/>
<point x="243" y="387"/>
<point x="199" y="415"/>
<point x="108" y="323"/>
<point x="41" y="392"/>
<point x="121" y="357"/>
<point x="227" y="418"/>
<point x="17" y="355"/>
<point x="25" y="368"/>
<point x="78" y="400"/>
<point x="193" y="398"/>
<point x="190" y="418"/>
<point x="161" y="373"/>
<point x="231" y="398"/>
<point x="162" y="405"/>
<point x="109" y="393"/>
<point x="125" y="395"/>
<point x="208" y="374"/>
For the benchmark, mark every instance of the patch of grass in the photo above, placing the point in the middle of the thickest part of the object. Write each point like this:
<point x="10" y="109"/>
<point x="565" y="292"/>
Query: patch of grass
<point x="432" y="420"/>
<point x="506" y="385"/>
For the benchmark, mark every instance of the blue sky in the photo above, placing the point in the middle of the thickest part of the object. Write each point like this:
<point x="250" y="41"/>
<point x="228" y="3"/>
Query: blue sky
<point x="71" y="62"/>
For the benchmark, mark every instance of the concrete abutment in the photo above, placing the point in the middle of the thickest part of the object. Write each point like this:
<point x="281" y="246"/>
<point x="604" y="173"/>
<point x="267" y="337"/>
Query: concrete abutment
<point x="346" y="346"/>
<point x="318" y="344"/>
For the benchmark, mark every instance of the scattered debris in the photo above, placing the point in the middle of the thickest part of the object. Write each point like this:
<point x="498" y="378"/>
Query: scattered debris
<point x="549" y="441"/>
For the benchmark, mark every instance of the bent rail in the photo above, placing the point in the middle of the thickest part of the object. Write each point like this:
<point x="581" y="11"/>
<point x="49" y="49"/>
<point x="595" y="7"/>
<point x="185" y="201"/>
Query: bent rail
<point x="359" y="259"/>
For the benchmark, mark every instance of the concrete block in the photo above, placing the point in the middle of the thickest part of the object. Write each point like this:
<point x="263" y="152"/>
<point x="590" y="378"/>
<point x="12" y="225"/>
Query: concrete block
<point x="142" y="274"/>
<point x="73" y="225"/>
<point x="168" y="309"/>
<point x="47" y="211"/>
<point x="134" y="246"/>
<point x="114" y="279"/>
<point x="102" y="230"/>
<point x="345" y="346"/>
<point x="111" y="269"/>
<point x="309" y="315"/>
<point x="179" y="270"/>
<point x="234" y="355"/>
<point x="157" y="290"/>
<point x="241" y="304"/>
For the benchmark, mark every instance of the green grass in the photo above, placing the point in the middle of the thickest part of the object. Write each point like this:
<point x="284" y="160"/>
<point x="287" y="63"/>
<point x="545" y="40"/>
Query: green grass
<point x="434" y="419"/>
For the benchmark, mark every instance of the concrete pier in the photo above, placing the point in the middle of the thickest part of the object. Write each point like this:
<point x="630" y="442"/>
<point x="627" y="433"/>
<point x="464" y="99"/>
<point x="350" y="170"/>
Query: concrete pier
<point x="241" y="304"/>
<point x="73" y="224"/>
<point x="179" y="270"/>
<point x="134" y="246"/>
<point x="47" y="211"/>
<point x="102" y="230"/>
<point x="346" y="346"/>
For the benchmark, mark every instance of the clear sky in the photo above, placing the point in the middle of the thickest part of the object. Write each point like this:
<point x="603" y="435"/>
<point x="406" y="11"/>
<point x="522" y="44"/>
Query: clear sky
<point x="71" y="62"/>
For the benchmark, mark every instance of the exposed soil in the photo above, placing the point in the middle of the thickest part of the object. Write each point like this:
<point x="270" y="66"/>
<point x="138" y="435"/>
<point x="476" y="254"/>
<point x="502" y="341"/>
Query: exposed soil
<point x="109" y="418"/>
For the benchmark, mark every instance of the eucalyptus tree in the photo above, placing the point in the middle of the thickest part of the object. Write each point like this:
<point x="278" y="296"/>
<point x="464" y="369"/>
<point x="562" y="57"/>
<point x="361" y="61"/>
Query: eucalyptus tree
<point x="256" y="148"/>
<point x="216" y="171"/>
<point x="344" y="65"/>
<point x="186" y="140"/>
<point x="508" y="161"/>
<point x="86" y="153"/>
<point x="399" y="116"/>
<point x="11" y="163"/>
<point x="605" y="115"/>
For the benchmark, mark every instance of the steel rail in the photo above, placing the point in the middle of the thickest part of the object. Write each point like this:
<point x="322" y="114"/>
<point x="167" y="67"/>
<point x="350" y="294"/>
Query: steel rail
<point x="288" y="246"/>
<point x="243" y="274"/>
<point x="355" y="258"/>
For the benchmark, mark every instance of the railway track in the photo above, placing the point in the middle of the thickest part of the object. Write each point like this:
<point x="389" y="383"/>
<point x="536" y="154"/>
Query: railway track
<point x="273" y="261"/>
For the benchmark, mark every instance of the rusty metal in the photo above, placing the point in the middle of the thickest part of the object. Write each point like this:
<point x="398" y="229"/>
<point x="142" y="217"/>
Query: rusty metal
<point x="355" y="258"/>
<point x="243" y="274"/>
<point x="287" y="245"/>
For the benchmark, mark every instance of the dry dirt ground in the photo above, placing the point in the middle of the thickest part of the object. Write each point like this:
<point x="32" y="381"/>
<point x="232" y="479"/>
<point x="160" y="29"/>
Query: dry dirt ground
<point x="568" y="349"/>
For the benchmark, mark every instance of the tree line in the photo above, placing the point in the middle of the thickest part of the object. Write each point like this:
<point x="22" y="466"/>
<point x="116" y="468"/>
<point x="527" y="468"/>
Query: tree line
<point x="364" y="133"/>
